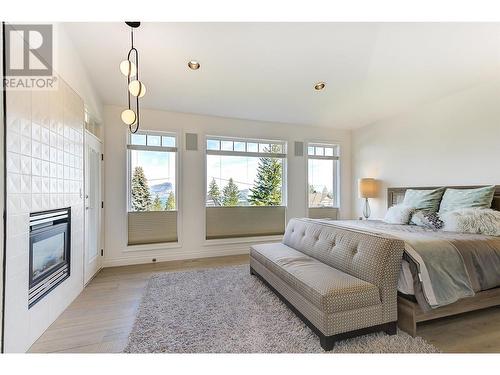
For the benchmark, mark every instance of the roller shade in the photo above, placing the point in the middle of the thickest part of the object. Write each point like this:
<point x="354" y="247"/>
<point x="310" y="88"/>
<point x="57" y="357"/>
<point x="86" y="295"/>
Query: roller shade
<point x="323" y="213"/>
<point x="152" y="227"/>
<point x="231" y="222"/>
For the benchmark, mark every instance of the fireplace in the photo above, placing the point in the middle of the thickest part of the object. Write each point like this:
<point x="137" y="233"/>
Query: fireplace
<point x="49" y="257"/>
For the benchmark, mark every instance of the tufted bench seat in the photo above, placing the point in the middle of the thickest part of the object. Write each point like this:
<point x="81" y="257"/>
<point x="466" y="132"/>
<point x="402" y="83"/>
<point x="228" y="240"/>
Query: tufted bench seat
<point x="342" y="283"/>
<point x="327" y="288"/>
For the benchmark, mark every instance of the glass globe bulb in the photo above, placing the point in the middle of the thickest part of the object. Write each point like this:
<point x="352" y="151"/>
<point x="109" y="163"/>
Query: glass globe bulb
<point x="128" y="117"/>
<point x="137" y="88"/>
<point x="128" y="68"/>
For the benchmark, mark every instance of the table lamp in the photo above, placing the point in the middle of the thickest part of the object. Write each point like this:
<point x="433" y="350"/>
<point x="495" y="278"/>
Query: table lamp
<point x="368" y="188"/>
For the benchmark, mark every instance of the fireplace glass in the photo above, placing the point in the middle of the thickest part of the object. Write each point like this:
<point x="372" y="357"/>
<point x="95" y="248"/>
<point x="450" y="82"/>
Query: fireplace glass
<point x="49" y="252"/>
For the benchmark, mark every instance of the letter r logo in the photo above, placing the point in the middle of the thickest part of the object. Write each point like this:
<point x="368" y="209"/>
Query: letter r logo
<point x="28" y="50"/>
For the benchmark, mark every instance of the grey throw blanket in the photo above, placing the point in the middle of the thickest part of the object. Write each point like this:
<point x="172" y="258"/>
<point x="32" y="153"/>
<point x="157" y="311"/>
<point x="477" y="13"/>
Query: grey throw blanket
<point x="446" y="266"/>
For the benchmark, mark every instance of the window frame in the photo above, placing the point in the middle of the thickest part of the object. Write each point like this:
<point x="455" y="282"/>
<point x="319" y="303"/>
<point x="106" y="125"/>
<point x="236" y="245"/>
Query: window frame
<point x="283" y="155"/>
<point x="336" y="172"/>
<point x="175" y="149"/>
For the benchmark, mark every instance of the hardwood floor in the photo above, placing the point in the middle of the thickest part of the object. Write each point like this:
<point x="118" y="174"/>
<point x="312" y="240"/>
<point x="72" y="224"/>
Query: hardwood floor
<point x="100" y="319"/>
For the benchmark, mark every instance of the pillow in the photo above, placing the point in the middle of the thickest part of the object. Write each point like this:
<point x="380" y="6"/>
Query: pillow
<point x="472" y="220"/>
<point x="427" y="219"/>
<point x="427" y="200"/>
<point x="454" y="199"/>
<point x="398" y="214"/>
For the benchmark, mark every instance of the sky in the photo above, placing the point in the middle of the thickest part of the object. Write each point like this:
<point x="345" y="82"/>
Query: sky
<point x="321" y="173"/>
<point x="243" y="170"/>
<point x="158" y="166"/>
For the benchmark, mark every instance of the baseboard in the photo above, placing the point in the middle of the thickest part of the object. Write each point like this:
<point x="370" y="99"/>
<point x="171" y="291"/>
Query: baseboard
<point x="237" y="249"/>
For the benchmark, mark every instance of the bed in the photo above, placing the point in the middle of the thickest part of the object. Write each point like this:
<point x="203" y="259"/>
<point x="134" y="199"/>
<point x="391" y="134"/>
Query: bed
<point x="442" y="273"/>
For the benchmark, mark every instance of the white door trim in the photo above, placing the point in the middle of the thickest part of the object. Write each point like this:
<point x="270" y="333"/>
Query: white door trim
<point x="91" y="267"/>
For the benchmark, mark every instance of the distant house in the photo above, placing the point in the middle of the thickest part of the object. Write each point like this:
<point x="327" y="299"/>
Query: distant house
<point x="320" y="199"/>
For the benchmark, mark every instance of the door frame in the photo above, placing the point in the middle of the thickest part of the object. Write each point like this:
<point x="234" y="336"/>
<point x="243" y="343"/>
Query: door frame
<point x="98" y="144"/>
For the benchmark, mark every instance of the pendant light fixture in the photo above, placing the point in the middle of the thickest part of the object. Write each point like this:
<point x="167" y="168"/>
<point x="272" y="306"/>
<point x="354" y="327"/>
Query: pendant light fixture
<point x="135" y="88"/>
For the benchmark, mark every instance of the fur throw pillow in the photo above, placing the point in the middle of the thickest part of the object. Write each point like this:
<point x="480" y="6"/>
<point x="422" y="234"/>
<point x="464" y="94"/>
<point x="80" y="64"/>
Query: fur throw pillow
<point x="427" y="219"/>
<point x="398" y="214"/>
<point x="472" y="220"/>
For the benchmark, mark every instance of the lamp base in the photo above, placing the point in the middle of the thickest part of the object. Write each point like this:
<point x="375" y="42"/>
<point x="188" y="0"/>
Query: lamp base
<point x="366" y="209"/>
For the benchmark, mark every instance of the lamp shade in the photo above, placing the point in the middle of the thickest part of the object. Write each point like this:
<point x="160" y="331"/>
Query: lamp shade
<point x="128" y="68"/>
<point x="368" y="188"/>
<point x="137" y="88"/>
<point x="129" y="117"/>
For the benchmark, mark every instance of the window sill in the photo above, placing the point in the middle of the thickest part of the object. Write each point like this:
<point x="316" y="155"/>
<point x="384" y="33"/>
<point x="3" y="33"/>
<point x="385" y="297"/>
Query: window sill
<point x="152" y="247"/>
<point x="237" y="240"/>
<point x="326" y="207"/>
<point x="277" y="206"/>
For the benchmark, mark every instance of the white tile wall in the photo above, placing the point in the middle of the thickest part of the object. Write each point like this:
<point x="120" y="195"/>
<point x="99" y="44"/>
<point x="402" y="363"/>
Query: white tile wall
<point x="44" y="171"/>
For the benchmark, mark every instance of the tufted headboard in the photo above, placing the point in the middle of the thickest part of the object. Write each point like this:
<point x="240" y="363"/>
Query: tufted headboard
<point x="396" y="195"/>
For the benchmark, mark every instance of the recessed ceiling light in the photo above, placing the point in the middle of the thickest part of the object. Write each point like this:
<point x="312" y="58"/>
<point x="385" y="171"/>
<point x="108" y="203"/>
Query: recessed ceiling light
<point x="194" y="65"/>
<point x="319" y="86"/>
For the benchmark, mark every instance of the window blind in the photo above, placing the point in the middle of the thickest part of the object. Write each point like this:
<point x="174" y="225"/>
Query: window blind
<point x="152" y="227"/>
<point x="231" y="222"/>
<point x="323" y="213"/>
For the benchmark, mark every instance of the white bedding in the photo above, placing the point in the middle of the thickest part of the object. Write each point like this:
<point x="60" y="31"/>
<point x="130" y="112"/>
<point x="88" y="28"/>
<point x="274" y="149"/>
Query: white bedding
<point x="405" y="281"/>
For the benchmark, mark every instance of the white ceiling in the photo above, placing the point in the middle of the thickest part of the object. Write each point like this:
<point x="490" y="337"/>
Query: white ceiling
<point x="266" y="71"/>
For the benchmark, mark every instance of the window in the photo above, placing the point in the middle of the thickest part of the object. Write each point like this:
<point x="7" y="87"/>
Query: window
<point x="244" y="172"/>
<point x="245" y="184"/>
<point x="152" y="188"/>
<point x="152" y="172"/>
<point x="91" y="124"/>
<point x="322" y="167"/>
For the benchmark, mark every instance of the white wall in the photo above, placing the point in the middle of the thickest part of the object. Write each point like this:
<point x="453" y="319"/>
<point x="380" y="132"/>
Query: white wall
<point x="193" y="179"/>
<point x="451" y="141"/>
<point x="38" y="180"/>
<point x="37" y="123"/>
<point x="69" y="66"/>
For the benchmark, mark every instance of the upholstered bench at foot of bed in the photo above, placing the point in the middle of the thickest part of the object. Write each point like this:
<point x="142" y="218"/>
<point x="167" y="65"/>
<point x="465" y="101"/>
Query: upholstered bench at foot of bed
<point x="334" y="303"/>
<point x="327" y="342"/>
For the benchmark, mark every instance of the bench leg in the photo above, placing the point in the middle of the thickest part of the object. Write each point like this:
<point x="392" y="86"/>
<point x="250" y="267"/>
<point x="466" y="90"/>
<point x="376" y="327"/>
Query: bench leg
<point x="252" y="272"/>
<point x="327" y="342"/>
<point x="391" y="328"/>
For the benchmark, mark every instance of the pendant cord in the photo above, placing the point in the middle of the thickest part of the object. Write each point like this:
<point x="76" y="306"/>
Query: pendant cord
<point x="136" y="53"/>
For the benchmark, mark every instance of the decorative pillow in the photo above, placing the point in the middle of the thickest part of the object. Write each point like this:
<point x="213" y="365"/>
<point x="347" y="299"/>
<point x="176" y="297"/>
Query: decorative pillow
<point x="472" y="220"/>
<point x="427" y="219"/>
<point x="454" y="199"/>
<point x="427" y="200"/>
<point x="398" y="214"/>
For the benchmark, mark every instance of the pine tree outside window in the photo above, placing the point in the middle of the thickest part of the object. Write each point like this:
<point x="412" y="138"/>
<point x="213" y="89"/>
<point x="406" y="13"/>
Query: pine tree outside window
<point x="152" y="165"/>
<point x="245" y="172"/>
<point x="152" y="189"/>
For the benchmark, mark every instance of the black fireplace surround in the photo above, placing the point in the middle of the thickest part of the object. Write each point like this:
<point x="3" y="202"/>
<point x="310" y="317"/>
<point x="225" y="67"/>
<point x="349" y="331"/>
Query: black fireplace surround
<point x="50" y="250"/>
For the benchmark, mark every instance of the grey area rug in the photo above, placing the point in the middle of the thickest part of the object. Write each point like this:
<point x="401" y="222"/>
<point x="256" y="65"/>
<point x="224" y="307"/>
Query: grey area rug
<point x="226" y="310"/>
